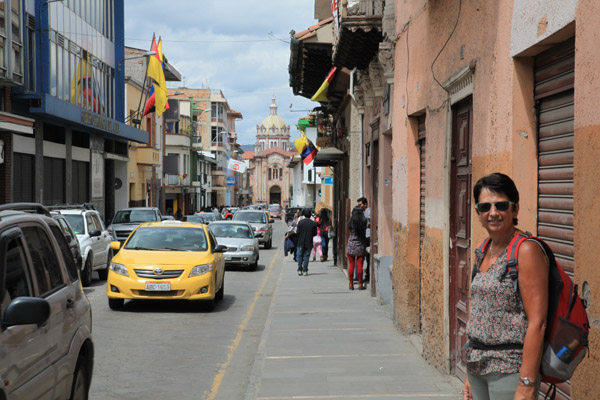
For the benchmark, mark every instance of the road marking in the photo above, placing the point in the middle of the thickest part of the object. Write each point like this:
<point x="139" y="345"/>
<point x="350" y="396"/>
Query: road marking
<point x="361" y="396"/>
<point x="337" y="356"/>
<point x="236" y="342"/>
<point x="318" y="329"/>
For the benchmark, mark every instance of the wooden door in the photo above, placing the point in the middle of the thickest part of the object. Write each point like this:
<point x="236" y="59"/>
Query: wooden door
<point x="460" y="229"/>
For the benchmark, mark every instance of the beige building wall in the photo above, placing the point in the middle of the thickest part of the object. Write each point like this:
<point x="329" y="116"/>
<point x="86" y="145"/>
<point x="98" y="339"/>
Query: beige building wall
<point x="490" y="56"/>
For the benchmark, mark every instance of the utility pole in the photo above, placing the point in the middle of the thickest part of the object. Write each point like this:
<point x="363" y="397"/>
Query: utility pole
<point x="314" y="187"/>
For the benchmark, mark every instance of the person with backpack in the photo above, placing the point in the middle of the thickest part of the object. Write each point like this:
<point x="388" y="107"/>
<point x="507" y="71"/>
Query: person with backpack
<point x="506" y="327"/>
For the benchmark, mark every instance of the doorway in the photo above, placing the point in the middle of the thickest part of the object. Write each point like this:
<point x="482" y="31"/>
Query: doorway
<point x="460" y="229"/>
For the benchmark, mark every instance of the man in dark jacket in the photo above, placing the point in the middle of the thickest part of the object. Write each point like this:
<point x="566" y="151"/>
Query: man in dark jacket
<point x="305" y="231"/>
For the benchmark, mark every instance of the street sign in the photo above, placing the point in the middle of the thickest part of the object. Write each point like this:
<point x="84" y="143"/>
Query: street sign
<point x="328" y="180"/>
<point x="230" y="180"/>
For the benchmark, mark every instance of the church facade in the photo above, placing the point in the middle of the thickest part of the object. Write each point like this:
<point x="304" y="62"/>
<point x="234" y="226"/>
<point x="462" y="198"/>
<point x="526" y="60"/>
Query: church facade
<point x="270" y="178"/>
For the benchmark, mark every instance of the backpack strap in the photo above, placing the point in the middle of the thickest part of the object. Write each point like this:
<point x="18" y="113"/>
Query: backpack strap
<point x="512" y="262"/>
<point x="479" y="251"/>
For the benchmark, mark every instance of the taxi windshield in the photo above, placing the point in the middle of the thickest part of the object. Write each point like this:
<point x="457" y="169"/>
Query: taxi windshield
<point x="168" y="238"/>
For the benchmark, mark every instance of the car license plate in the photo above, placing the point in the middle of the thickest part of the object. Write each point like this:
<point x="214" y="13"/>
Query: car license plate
<point x="227" y="257"/>
<point x="158" y="286"/>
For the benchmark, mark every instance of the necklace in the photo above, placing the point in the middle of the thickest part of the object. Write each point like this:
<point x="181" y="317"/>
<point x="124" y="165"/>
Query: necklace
<point x="501" y="249"/>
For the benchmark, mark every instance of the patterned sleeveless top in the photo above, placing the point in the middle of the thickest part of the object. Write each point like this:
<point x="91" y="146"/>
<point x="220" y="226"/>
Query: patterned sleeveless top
<point x="497" y="317"/>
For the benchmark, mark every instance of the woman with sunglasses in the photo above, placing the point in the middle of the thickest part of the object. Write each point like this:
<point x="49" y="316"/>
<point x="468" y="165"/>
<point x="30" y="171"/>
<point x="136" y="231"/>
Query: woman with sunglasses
<point x="506" y="325"/>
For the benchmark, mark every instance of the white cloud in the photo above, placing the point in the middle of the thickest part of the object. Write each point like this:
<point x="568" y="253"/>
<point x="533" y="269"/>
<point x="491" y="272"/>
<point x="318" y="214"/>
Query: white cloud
<point x="231" y="45"/>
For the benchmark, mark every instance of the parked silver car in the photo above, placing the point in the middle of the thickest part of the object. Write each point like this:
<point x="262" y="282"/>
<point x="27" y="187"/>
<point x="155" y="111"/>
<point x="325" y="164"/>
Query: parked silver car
<point x="238" y="236"/>
<point x="260" y="224"/>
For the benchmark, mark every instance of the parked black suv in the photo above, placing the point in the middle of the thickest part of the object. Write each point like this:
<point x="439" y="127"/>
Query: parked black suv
<point x="46" y="319"/>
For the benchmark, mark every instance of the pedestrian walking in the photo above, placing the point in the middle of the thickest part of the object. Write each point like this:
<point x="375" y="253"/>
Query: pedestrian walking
<point x="317" y="248"/>
<point x="305" y="231"/>
<point x="356" y="246"/>
<point x="506" y="322"/>
<point x="324" y="226"/>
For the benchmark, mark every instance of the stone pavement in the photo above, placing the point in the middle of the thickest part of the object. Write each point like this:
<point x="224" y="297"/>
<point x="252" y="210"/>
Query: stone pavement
<point x="323" y="341"/>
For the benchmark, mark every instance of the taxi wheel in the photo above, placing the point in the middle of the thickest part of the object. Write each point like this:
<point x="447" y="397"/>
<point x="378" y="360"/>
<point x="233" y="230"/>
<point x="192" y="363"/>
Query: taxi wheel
<point x="116" y="304"/>
<point x="254" y="266"/>
<point x="86" y="274"/>
<point x="269" y="244"/>
<point x="219" y="295"/>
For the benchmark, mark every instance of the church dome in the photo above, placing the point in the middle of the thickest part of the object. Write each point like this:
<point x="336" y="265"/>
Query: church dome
<point x="273" y="124"/>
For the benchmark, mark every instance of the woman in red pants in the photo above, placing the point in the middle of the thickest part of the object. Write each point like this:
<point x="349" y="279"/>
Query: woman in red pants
<point x="356" y="248"/>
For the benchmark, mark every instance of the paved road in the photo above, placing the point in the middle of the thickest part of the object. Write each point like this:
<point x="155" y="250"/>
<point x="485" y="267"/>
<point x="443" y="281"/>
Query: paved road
<point x="176" y="350"/>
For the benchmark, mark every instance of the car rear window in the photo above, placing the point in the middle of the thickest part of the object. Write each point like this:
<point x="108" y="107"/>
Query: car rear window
<point x="209" y="216"/>
<point x="168" y="238"/>
<point x="76" y="222"/>
<point x="251" y="217"/>
<point x="231" y="231"/>
<point x="139" y="216"/>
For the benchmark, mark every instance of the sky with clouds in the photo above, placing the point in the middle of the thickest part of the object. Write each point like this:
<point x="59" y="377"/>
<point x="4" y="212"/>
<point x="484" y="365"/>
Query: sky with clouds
<point x="238" y="46"/>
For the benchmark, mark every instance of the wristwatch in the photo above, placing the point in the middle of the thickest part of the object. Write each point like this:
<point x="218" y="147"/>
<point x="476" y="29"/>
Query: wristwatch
<point x="526" y="381"/>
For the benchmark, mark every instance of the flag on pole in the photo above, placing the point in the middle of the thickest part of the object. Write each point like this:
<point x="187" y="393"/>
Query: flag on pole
<point x="236" y="165"/>
<point x="321" y="94"/>
<point x="157" y="97"/>
<point x="155" y="70"/>
<point x="162" y="101"/>
<point x="306" y="148"/>
<point x="150" y="102"/>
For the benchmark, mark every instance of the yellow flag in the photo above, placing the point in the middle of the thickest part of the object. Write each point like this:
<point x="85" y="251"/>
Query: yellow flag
<point x="321" y="94"/>
<point x="160" y="90"/>
<point x="77" y="84"/>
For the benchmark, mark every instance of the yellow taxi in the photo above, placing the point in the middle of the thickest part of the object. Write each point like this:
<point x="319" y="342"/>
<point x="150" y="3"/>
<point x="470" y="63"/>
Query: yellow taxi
<point x="167" y="260"/>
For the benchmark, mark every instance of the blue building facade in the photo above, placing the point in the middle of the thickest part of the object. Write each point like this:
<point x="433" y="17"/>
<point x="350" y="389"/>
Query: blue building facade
<point x="70" y="87"/>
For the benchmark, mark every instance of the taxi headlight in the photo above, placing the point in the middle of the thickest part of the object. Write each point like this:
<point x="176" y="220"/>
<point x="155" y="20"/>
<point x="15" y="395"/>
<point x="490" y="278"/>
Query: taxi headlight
<point x="248" y="247"/>
<point x="264" y="228"/>
<point x="119" y="269"/>
<point x="201" y="270"/>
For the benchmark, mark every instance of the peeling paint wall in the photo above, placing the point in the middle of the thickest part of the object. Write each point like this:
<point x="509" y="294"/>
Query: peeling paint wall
<point x="585" y="384"/>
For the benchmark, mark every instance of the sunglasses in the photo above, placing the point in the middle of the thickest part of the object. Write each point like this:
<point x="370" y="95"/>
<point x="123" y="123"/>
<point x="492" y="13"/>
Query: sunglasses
<point x="500" y="206"/>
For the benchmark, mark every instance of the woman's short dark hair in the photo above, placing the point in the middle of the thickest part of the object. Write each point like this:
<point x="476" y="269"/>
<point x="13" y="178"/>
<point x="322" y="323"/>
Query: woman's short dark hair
<point x="497" y="183"/>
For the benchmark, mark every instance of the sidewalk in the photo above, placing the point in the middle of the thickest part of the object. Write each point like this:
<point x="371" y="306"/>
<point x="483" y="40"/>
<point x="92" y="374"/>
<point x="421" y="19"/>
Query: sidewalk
<point x="323" y="341"/>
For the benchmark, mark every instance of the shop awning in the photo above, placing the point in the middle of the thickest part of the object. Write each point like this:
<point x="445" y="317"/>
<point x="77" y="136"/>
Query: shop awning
<point x="328" y="156"/>
<point x="16" y="123"/>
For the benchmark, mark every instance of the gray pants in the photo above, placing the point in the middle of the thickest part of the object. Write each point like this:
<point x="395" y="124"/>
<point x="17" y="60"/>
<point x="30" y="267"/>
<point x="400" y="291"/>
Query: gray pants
<point x="494" y="386"/>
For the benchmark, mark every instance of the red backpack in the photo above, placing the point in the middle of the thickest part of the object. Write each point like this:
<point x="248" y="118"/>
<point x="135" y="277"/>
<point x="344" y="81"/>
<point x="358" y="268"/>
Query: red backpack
<point x="567" y="325"/>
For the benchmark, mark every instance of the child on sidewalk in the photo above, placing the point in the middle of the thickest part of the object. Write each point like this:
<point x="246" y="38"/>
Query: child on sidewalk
<point x="317" y="245"/>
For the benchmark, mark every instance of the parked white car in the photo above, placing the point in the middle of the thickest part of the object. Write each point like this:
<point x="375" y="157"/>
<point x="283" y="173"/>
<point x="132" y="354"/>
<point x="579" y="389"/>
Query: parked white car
<point x="94" y="239"/>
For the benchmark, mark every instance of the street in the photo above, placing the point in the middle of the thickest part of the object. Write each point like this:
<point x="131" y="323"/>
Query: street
<point x="168" y="350"/>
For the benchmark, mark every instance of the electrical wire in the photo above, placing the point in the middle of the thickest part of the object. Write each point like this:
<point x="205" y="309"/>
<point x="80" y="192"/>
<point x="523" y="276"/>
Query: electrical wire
<point x="444" y="46"/>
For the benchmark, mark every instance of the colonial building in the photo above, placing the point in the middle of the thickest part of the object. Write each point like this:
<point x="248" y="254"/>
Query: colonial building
<point x="269" y="176"/>
<point x="427" y="98"/>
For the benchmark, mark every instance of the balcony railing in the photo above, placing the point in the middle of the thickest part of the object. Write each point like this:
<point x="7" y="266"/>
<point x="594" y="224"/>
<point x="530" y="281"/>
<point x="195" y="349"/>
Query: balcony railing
<point x="178" y="180"/>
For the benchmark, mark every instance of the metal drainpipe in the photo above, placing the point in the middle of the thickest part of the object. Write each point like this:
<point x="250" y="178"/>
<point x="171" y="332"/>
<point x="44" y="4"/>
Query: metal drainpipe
<point x="360" y="152"/>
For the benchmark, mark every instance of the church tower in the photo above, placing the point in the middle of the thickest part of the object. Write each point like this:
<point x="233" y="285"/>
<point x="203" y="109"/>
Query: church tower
<point x="270" y="178"/>
<point x="273" y="132"/>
